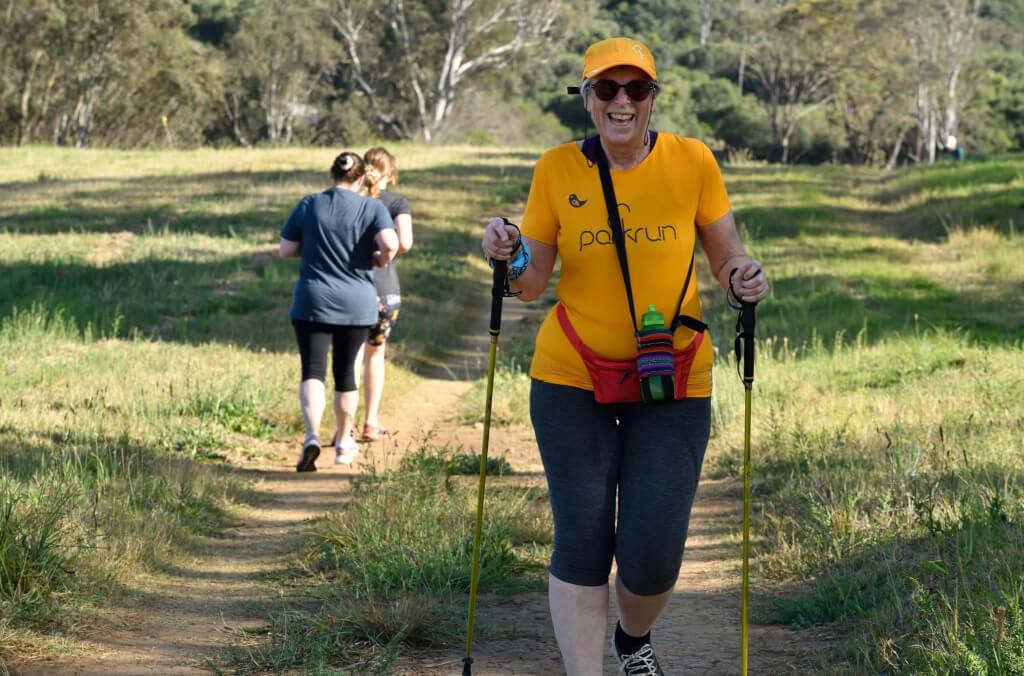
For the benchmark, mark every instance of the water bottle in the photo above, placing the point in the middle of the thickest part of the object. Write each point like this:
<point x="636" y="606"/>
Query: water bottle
<point x="655" y="358"/>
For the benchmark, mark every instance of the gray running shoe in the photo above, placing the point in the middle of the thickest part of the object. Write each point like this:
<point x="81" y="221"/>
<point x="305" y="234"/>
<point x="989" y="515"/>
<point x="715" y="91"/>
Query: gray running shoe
<point x="641" y="663"/>
<point x="310" y="452"/>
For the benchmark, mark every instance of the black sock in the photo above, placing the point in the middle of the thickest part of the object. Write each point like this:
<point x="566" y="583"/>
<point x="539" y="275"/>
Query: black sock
<point x="626" y="644"/>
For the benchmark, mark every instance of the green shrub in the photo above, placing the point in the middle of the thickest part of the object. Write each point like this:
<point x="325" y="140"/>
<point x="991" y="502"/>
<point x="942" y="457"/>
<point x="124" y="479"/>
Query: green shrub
<point x="37" y="554"/>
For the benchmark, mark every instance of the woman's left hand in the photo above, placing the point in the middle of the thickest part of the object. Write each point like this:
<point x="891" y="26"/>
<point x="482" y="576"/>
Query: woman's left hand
<point x="749" y="282"/>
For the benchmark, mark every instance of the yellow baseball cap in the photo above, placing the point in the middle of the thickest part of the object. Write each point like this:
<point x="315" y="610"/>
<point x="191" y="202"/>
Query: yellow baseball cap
<point x="613" y="52"/>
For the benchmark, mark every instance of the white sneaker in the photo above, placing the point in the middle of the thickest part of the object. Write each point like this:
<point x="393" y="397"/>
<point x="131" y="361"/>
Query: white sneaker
<point x="641" y="663"/>
<point x="345" y="451"/>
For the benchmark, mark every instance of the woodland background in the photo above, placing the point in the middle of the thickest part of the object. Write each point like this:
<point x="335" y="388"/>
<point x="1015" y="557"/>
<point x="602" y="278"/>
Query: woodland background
<point x="876" y="82"/>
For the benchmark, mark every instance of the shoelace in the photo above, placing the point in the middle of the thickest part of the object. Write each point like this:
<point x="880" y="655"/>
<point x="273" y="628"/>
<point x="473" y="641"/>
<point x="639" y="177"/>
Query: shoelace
<point x="641" y="663"/>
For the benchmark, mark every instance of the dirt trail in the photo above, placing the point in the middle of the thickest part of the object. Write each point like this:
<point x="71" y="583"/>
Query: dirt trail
<point x="180" y="615"/>
<point x="176" y="620"/>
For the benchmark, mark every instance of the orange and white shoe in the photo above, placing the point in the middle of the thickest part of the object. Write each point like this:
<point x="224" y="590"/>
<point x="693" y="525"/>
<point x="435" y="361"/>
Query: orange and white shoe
<point x="372" y="433"/>
<point x="345" y="450"/>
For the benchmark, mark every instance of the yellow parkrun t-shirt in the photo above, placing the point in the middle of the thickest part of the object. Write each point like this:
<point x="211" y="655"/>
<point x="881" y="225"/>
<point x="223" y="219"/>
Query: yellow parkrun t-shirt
<point x="677" y="188"/>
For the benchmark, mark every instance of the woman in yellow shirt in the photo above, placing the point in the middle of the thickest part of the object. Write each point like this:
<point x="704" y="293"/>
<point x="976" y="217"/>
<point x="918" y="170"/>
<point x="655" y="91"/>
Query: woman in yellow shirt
<point x="622" y="476"/>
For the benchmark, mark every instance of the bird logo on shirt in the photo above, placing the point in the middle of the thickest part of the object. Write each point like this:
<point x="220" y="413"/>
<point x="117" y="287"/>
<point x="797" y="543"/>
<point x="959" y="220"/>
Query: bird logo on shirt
<point x="576" y="202"/>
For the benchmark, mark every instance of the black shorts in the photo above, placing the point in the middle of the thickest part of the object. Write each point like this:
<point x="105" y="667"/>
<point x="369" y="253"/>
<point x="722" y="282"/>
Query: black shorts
<point x="314" y="338"/>
<point x="387" y="315"/>
<point x="622" y="479"/>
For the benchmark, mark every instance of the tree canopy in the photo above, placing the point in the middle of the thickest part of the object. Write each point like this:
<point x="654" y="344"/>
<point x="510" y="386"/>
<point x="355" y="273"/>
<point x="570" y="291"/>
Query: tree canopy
<point x="861" y="81"/>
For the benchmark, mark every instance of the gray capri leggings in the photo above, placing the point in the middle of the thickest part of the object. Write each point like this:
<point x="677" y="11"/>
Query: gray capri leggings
<point x="649" y="456"/>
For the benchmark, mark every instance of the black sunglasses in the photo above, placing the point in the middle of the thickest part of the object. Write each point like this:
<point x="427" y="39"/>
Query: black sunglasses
<point x="638" y="90"/>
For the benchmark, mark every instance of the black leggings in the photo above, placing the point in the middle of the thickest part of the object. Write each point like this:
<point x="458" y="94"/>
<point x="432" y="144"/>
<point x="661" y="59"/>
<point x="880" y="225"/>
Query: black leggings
<point x="645" y="457"/>
<point x="314" y="339"/>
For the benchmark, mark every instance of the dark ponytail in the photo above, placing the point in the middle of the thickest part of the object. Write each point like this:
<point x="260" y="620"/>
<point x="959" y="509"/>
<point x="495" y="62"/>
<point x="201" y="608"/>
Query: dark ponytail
<point x="347" y="168"/>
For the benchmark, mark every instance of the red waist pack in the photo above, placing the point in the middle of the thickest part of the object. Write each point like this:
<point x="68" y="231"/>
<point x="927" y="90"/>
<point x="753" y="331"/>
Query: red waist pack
<point x="616" y="381"/>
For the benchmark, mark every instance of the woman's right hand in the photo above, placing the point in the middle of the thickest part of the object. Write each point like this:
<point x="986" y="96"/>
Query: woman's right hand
<point x="499" y="239"/>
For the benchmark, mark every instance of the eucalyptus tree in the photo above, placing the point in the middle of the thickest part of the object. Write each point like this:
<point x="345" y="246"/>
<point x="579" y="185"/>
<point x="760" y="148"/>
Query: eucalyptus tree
<point x="28" y="72"/>
<point x="108" y="71"/>
<point x="944" y="37"/>
<point x="793" y="61"/>
<point x="872" y="84"/>
<point x="411" y="60"/>
<point x="275" y="65"/>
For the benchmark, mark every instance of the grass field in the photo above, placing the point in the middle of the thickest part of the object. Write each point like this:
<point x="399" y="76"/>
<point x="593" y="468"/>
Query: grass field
<point x="143" y="323"/>
<point x="144" y="341"/>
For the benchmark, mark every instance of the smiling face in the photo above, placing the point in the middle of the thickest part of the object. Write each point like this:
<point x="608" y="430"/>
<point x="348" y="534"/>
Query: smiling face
<point x="622" y="121"/>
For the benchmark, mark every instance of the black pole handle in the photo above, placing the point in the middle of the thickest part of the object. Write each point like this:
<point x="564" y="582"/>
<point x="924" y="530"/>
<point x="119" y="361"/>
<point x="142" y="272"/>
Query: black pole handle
<point x="745" y="325"/>
<point x="748" y="320"/>
<point x="497" y="294"/>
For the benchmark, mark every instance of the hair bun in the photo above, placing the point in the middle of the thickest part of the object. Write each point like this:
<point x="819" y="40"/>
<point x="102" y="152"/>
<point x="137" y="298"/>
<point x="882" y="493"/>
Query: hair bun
<point x="346" y="162"/>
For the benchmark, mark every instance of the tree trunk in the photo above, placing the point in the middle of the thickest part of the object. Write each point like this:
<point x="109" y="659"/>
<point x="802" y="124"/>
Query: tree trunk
<point x="743" y="63"/>
<point x="706" y="21"/>
<point x="933" y="134"/>
<point x="60" y="130"/>
<point x="949" y="125"/>
<point x="786" y="136"/>
<point x="895" y="154"/>
<point x="962" y="21"/>
<point x="25" y="118"/>
<point x="231" y="107"/>
<point x="44" y="107"/>
<point x="924" y="116"/>
<point x="84" y="122"/>
<point x="269" y="111"/>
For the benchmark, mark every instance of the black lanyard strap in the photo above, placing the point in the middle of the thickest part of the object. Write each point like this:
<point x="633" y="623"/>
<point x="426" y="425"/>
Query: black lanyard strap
<point x="619" y="237"/>
<point x="614" y="222"/>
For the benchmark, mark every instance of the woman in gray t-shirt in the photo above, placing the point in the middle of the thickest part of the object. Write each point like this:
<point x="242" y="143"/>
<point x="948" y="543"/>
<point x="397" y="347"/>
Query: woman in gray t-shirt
<point x="340" y="237"/>
<point x="381" y="171"/>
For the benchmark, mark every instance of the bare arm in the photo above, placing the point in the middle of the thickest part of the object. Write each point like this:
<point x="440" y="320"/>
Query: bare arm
<point x="499" y="240"/>
<point x="403" y="224"/>
<point x="290" y="249"/>
<point x="387" y="247"/>
<point x="725" y="252"/>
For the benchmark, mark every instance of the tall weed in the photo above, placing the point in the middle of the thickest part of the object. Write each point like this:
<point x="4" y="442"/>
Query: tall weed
<point x="37" y="553"/>
<point x="82" y="514"/>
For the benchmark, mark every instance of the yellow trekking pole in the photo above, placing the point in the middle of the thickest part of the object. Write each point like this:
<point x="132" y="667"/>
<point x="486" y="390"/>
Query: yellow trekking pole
<point x="499" y="289"/>
<point x="744" y="348"/>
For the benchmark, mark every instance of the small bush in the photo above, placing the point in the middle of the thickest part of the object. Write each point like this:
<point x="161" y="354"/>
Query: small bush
<point x="236" y="408"/>
<point x="510" y="402"/>
<point x="444" y="461"/>
<point x="37" y="556"/>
